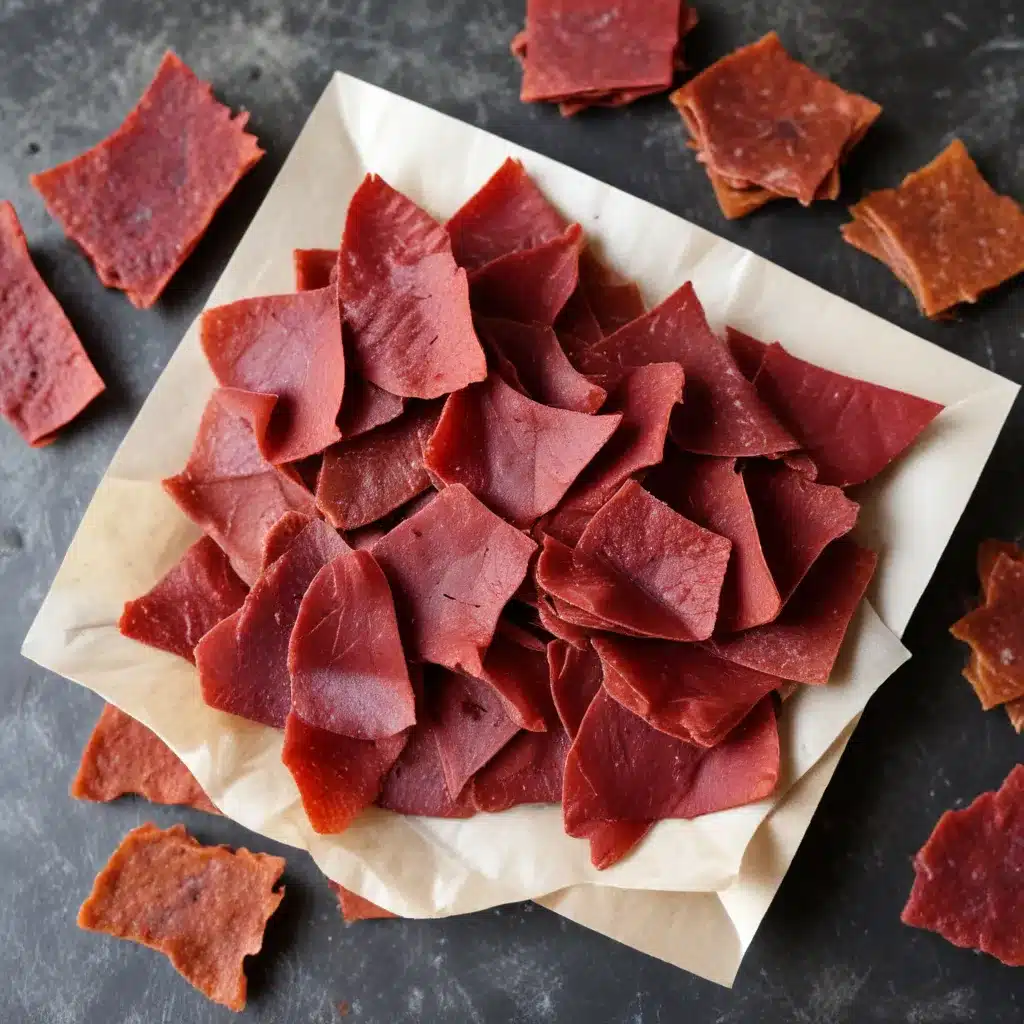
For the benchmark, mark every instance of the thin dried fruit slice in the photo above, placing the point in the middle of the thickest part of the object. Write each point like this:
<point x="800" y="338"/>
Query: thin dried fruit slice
<point x="613" y="299"/>
<point x="288" y="346"/>
<point x="366" y="406"/>
<point x="517" y="668"/>
<point x="748" y="351"/>
<point x="314" y="268"/>
<point x="527" y="770"/>
<point x="404" y="298"/>
<point x="186" y="602"/>
<point x="228" y="488"/>
<point x="203" y="907"/>
<point x="967" y="876"/>
<point x="721" y="413"/>
<point x="452" y="567"/>
<point x="46" y="378"/>
<point x="569" y="632"/>
<point x="123" y="756"/>
<point x="851" y="429"/>
<point x="354" y="907"/>
<point x="517" y="456"/>
<point x="944" y="232"/>
<point x="140" y="200"/>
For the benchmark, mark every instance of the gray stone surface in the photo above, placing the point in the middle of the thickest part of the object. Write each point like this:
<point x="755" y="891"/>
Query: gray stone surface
<point x="832" y="950"/>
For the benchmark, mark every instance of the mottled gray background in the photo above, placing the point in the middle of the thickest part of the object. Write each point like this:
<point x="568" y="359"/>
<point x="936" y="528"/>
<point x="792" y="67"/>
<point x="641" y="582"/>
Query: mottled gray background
<point x="831" y="950"/>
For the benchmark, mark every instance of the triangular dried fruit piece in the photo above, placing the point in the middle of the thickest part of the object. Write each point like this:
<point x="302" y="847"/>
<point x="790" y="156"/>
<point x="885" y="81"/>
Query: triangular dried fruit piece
<point x="530" y="358"/>
<point x="721" y="413"/>
<point x="517" y="456"/>
<point x="711" y="492"/>
<point x="243" y="661"/>
<point x="748" y="351"/>
<point x="46" y="378"/>
<point x="507" y="214"/>
<point x="404" y="298"/>
<point x="681" y="689"/>
<point x="354" y="907"/>
<point x="314" y="268"/>
<point x="852" y="429"/>
<point x="345" y="658"/>
<point x="186" y="602"/>
<point x="613" y="299"/>
<point x="516" y="667"/>
<point x="139" y="201"/>
<point x="452" y="567"/>
<point x="368" y="477"/>
<point x="945" y="233"/>
<point x="288" y="346"/>
<point x="228" y="488"/>
<point x="645" y="397"/>
<point x="802" y="644"/>
<point x="123" y="756"/>
<point x="967" y="876"/>
<point x="203" y="907"/>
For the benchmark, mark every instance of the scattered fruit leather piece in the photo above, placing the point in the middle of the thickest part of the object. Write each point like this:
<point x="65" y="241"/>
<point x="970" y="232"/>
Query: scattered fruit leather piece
<point x="337" y="776"/>
<point x="967" y="884"/>
<point x="452" y="567"/>
<point x="46" y="378"/>
<point x="747" y="351"/>
<point x="507" y="214"/>
<point x="529" y="285"/>
<point x="681" y="689"/>
<point x="345" y="659"/>
<point x="354" y="907"/>
<point x="802" y="644"/>
<point x="851" y="429"/>
<point x="404" y="298"/>
<point x="721" y="413"/>
<point x="288" y="346"/>
<point x="186" y="602"/>
<point x="314" y="268"/>
<point x="243" y="661"/>
<point x="645" y="397"/>
<point x="613" y="299"/>
<point x="516" y="667"/>
<point x="517" y="456"/>
<point x="368" y="477"/>
<point x="796" y="518"/>
<point x="139" y="201"/>
<point x="712" y="493"/>
<point x="944" y="232"/>
<point x="123" y="756"/>
<point x="621" y="769"/>
<point x="228" y="488"/>
<point x="203" y="907"/>
<point x="530" y="359"/>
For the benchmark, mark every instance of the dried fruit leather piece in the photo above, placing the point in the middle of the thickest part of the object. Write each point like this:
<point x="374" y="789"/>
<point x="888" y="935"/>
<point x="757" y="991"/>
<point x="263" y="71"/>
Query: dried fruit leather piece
<point x="139" y="201"/>
<point x="46" y="378"/>
<point x="354" y="907"/>
<point x="186" y="602"/>
<point x="748" y="351"/>
<point x="204" y="907"/>
<point x="613" y="299"/>
<point x="516" y="668"/>
<point x="314" y="268"/>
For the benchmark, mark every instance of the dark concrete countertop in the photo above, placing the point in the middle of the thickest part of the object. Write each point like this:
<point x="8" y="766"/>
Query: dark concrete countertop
<point x="832" y="950"/>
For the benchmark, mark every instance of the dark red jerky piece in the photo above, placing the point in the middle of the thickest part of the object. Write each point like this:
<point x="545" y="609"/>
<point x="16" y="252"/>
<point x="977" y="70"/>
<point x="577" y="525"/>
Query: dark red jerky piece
<point x="345" y="657"/>
<point x="712" y="493"/>
<point x="796" y="519"/>
<point x="228" y="488"/>
<point x="967" y="884"/>
<point x="529" y="285"/>
<point x="139" y="201"/>
<point x="681" y="689"/>
<point x="613" y="299"/>
<point x="337" y="776"/>
<point x="404" y="298"/>
<point x="803" y="642"/>
<point x="621" y="769"/>
<point x="314" y="268"/>
<point x="288" y="346"/>
<point x="354" y="907"/>
<point x="748" y="352"/>
<point x="721" y="414"/>
<point x="517" y="668"/>
<point x="243" y="661"/>
<point x="186" y="602"/>
<point x="529" y="358"/>
<point x="365" y="479"/>
<point x="852" y="429"/>
<point x="452" y="567"/>
<point x="517" y="456"/>
<point x="527" y="770"/>
<point x="507" y="214"/>
<point x="645" y="397"/>
<point x="46" y="378"/>
<point x="575" y="679"/>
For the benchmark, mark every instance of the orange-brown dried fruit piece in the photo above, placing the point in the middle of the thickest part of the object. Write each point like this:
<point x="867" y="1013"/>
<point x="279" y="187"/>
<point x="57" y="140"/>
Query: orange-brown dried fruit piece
<point x="354" y="907"/>
<point x="944" y="232"/>
<point x="203" y="907"/>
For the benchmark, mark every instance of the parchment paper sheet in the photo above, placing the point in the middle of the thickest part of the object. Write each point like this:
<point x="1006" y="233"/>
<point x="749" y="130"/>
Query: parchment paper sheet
<point x="132" y="533"/>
